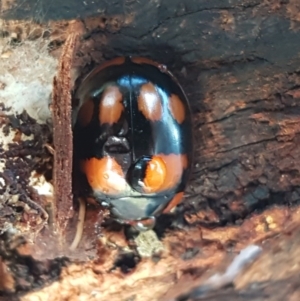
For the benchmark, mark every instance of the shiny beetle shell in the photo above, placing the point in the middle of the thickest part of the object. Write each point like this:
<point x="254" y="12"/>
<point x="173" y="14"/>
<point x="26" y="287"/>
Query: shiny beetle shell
<point x="133" y="137"/>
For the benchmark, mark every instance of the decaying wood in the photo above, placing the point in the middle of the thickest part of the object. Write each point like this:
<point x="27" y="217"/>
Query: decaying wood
<point x="238" y="62"/>
<point x="275" y="291"/>
<point x="63" y="137"/>
<point x="272" y="277"/>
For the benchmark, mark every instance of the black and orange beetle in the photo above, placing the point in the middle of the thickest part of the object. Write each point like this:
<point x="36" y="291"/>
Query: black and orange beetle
<point x="133" y="138"/>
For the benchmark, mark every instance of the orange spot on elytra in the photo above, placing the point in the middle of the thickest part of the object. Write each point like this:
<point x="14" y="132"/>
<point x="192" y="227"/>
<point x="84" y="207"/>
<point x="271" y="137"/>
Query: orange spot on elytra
<point x="175" y="165"/>
<point x="85" y="113"/>
<point x="149" y="102"/>
<point x="174" y="202"/>
<point x="104" y="175"/>
<point x="177" y="108"/>
<point x="155" y="175"/>
<point x="164" y="172"/>
<point x="111" y="106"/>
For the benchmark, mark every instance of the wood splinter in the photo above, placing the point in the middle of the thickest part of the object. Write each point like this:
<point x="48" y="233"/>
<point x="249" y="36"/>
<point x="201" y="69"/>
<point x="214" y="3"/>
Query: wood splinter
<point x="63" y="138"/>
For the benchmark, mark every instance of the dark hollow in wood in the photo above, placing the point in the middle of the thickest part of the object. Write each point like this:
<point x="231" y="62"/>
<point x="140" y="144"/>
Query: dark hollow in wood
<point x="238" y="64"/>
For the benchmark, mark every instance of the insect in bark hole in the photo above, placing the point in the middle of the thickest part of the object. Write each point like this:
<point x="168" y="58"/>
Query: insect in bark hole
<point x="133" y="139"/>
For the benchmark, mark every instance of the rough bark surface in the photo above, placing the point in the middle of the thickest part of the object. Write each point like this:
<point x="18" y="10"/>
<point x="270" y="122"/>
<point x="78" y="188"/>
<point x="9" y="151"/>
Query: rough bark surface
<point x="238" y="62"/>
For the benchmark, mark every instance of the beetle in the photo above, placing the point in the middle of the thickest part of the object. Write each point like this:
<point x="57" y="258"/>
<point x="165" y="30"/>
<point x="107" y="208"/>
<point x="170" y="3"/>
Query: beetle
<point x="133" y="139"/>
